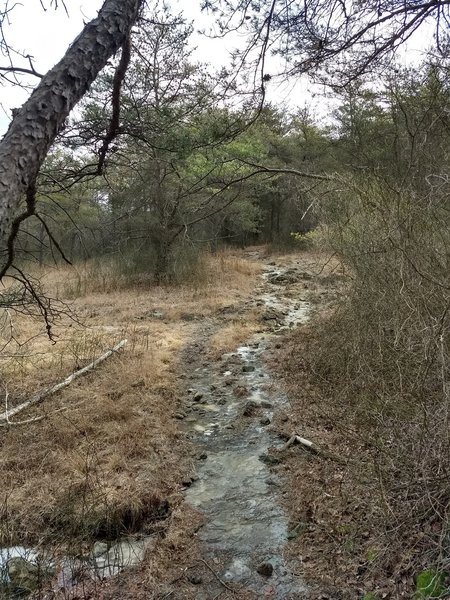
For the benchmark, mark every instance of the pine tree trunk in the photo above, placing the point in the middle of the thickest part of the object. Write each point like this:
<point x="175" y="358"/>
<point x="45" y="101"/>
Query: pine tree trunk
<point x="34" y="128"/>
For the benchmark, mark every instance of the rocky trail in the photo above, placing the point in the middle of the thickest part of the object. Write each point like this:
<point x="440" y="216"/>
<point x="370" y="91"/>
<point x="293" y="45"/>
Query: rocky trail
<point x="230" y="404"/>
<point x="227" y="415"/>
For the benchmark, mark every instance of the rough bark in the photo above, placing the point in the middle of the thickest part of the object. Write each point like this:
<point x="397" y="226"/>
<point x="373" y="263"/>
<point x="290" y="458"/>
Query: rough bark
<point x="37" y="123"/>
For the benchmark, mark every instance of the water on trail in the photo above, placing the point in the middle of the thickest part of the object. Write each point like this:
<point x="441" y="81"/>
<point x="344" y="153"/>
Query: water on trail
<point x="245" y="527"/>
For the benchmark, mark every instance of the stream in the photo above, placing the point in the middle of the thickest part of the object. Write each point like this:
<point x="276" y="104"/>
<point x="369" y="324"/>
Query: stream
<point x="246" y="528"/>
<point x="230" y="404"/>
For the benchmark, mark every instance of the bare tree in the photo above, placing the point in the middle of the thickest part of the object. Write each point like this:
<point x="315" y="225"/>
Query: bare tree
<point x="37" y="123"/>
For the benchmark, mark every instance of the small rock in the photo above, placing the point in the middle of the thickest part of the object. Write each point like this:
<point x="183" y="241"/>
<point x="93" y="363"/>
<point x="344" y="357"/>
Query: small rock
<point x="198" y="396"/>
<point x="240" y="391"/>
<point x="195" y="579"/>
<point x="250" y="408"/>
<point x="265" y="568"/>
<point x="202" y="456"/>
<point x="23" y="574"/>
<point x="269" y="459"/>
<point x="180" y="416"/>
<point x="266" y="404"/>
<point x="248" y="368"/>
<point x="265" y="421"/>
<point x="99" y="549"/>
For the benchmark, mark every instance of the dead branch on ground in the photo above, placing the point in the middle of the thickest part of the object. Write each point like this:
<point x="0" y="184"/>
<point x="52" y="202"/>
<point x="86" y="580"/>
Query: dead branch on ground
<point x="6" y="416"/>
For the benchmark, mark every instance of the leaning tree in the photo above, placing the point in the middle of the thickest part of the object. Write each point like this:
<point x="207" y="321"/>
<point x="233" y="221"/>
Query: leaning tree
<point x="37" y="123"/>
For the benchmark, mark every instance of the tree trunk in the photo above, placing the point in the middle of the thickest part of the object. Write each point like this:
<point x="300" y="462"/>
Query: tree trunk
<point x="37" y="123"/>
<point x="163" y="248"/>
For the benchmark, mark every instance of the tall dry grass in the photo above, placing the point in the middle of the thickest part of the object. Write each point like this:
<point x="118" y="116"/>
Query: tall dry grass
<point x="384" y="359"/>
<point x="107" y="455"/>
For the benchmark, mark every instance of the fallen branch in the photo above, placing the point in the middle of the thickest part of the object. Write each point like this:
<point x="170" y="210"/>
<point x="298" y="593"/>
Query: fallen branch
<point x="9" y="423"/>
<point x="217" y="577"/>
<point x="311" y="447"/>
<point x="6" y="416"/>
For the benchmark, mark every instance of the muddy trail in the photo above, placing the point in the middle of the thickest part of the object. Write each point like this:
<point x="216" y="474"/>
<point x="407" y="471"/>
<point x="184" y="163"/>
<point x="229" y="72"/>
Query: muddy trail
<point x="230" y="404"/>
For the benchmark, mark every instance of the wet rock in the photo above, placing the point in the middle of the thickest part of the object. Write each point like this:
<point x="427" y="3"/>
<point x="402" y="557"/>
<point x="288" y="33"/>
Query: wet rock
<point x="99" y="549"/>
<point x="265" y="569"/>
<point x="240" y="391"/>
<point x="266" y="404"/>
<point x="248" y="368"/>
<point x="250" y="408"/>
<point x="22" y="574"/>
<point x="265" y="421"/>
<point x="269" y="459"/>
<point x="188" y="480"/>
<point x="270" y="315"/>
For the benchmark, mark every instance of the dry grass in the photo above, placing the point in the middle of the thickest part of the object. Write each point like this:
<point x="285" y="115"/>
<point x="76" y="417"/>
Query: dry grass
<point x="114" y="455"/>
<point x="229" y="337"/>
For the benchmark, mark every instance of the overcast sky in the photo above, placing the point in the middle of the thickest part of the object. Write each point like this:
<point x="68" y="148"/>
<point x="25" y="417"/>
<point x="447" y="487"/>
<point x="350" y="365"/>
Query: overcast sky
<point x="45" y="35"/>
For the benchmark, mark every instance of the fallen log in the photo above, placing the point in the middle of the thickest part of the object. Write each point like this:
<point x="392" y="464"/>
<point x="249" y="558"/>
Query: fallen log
<point x="314" y="448"/>
<point x="6" y="416"/>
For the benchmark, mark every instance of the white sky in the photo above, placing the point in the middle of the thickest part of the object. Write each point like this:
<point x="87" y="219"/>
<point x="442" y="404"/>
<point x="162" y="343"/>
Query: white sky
<point x="45" y="35"/>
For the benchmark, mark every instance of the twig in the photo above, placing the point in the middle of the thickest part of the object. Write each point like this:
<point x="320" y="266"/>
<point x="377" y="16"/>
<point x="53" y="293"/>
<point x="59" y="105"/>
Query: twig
<point x="59" y="386"/>
<point x="216" y="576"/>
<point x="36" y="419"/>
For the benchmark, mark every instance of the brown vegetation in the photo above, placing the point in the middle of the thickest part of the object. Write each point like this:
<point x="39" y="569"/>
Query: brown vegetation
<point x="111" y="460"/>
<point x="369" y="382"/>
